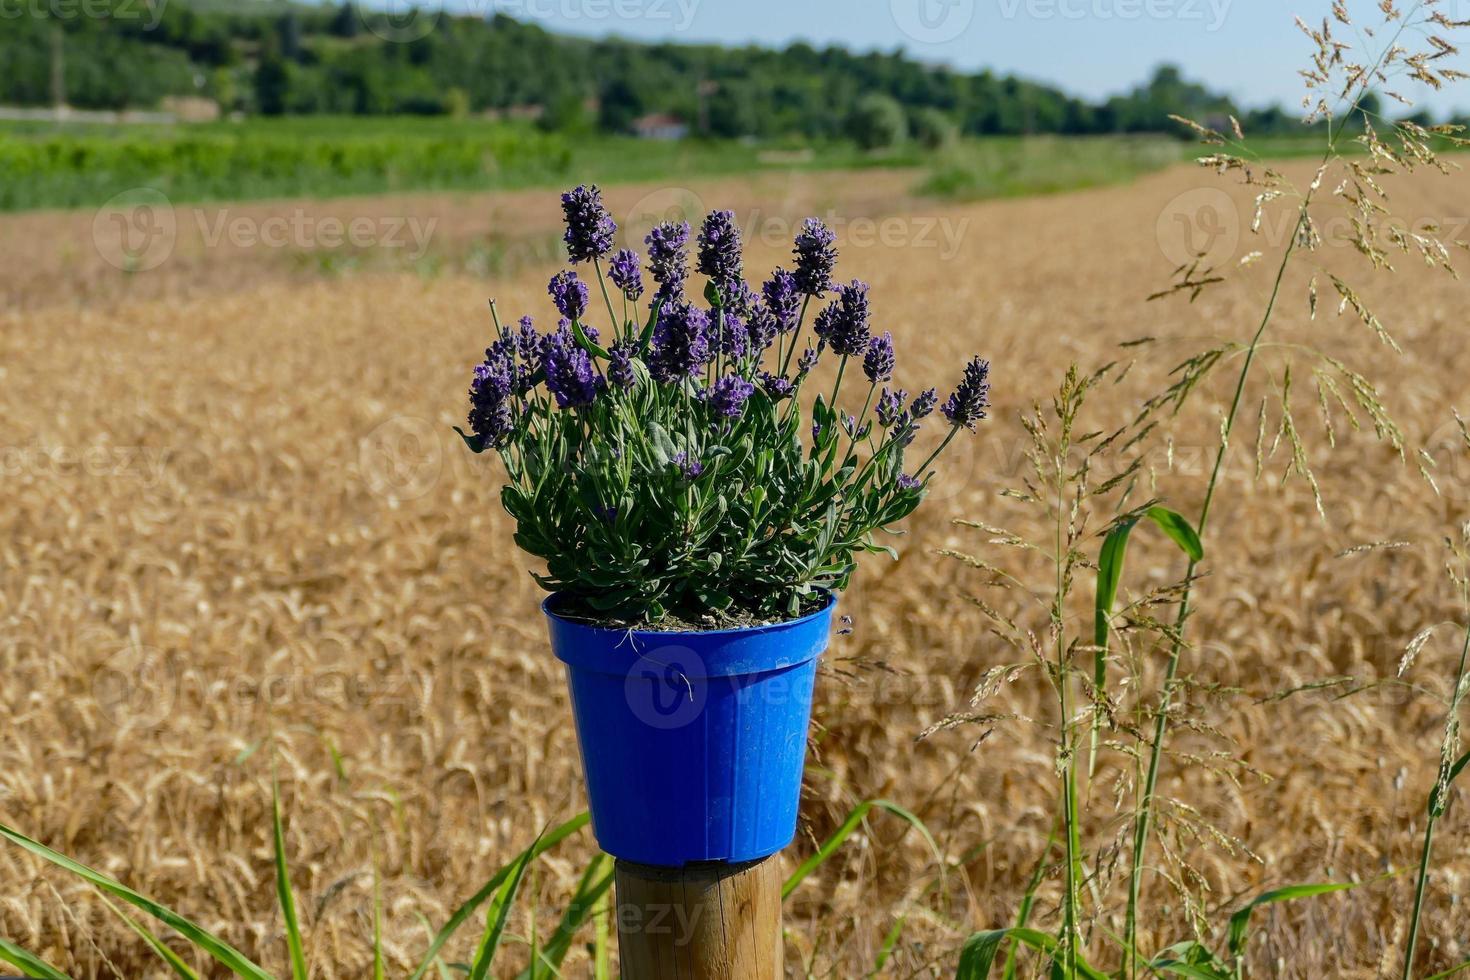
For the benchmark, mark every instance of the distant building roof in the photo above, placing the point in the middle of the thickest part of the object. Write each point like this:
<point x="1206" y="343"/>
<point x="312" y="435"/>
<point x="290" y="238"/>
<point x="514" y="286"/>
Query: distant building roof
<point x="660" y="125"/>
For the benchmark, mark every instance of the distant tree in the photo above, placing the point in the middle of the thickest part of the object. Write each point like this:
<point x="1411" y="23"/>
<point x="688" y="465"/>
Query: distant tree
<point x="346" y="22"/>
<point x="457" y="103"/>
<point x="566" y="112"/>
<point x="272" y="82"/>
<point x="877" y="122"/>
<point x="288" y="29"/>
<point x="933" y="129"/>
<point x="620" y="104"/>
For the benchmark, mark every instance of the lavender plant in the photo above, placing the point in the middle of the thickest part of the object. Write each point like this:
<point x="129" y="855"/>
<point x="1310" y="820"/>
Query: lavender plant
<point x="675" y="460"/>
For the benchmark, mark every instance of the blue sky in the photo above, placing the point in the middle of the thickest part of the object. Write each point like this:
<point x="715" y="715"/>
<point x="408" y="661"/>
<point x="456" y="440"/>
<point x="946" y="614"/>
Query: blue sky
<point x="1094" y="48"/>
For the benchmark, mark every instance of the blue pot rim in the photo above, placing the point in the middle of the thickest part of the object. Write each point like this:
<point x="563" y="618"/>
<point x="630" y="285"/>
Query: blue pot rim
<point x="741" y="651"/>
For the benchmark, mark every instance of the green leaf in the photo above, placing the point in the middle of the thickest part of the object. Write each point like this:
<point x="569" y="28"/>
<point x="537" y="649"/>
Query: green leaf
<point x="1179" y="530"/>
<point x="174" y="961"/>
<point x="33" y="965"/>
<point x="663" y="447"/>
<point x="979" y="952"/>
<point x="476" y="444"/>
<point x="595" y="883"/>
<point x="648" y="328"/>
<point x="856" y="817"/>
<point x="221" y="951"/>
<point x="543" y="843"/>
<point x="283" y="889"/>
<point x="497" y="915"/>
<point x="1240" y="921"/>
<point x="585" y="342"/>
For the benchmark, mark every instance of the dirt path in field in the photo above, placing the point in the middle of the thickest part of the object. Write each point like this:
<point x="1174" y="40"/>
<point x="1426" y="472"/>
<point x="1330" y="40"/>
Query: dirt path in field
<point x="234" y="510"/>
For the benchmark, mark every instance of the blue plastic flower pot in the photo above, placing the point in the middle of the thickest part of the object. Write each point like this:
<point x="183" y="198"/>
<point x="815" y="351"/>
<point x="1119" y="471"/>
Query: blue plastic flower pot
<point x="692" y="743"/>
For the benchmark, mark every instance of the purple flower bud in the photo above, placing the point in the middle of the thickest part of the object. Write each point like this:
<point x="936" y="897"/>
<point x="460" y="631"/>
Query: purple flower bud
<point x="490" y="415"/>
<point x="890" y="404"/>
<point x="728" y="396"/>
<point x="720" y="251"/>
<point x="620" y="364"/>
<point x="808" y="360"/>
<point x="681" y="343"/>
<point x="778" y="388"/>
<point x="625" y="274"/>
<point x="734" y="338"/>
<point x="844" y="324"/>
<point x="570" y="375"/>
<point x="923" y="405"/>
<point x="879" y="360"/>
<point x="907" y="483"/>
<point x="529" y="342"/>
<point x="691" y="468"/>
<point x="761" y="327"/>
<point x="816" y="257"/>
<point x="970" y="400"/>
<point x="782" y="300"/>
<point x="590" y="228"/>
<point x="668" y="259"/>
<point x="569" y="293"/>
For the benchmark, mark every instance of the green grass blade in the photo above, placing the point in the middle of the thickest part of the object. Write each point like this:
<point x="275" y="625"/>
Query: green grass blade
<point x="1179" y="530"/>
<point x="175" y="962"/>
<point x="497" y="915"/>
<point x="378" y="973"/>
<point x="602" y="938"/>
<point x="1190" y="959"/>
<point x="856" y="817"/>
<point x="1453" y="971"/>
<point x="33" y="965"/>
<point x="461" y="915"/>
<point x="283" y="889"/>
<point x="1028" y="901"/>
<point x="221" y="951"/>
<point x="978" y="954"/>
<point x="595" y="883"/>
<point x="890" y="942"/>
<point x="1241" y="920"/>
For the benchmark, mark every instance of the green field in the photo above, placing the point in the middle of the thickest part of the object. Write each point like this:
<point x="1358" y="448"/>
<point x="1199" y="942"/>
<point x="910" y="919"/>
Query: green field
<point x="74" y="166"/>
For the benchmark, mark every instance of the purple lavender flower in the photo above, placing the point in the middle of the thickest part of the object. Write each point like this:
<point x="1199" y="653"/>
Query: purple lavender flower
<point x="923" y="405"/>
<point x="625" y="274"/>
<point x="907" y="482"/>
<point x="720" y="251"/>
<point x="569" y="293"/>
<point x="808" y="360"/>
<point x="777" y="387"/>
<point x="490" y="416"/>
<point x="782" y="300"/>
<point x="734" y="337"/>
<point x="728" y="396"/>
<point x="529" y="342"/>
<point x="844" y="324"/>
<point x="620" y="364"/>
<point x="590" y="228"/>
<point x="668" y="259"/>
<point x="879" y="360"/>
<point x="761" y="327"/>
<point x="681" y="343"/>
<point x="816" y="257"/>
<point x="970" y="400"/>
<point x="890" y="405"/>
<point x="570" y="375"/>
<point x="691" y="468"/>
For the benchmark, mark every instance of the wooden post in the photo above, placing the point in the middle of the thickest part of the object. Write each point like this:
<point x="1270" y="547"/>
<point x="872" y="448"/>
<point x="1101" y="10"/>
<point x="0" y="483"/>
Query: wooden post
<point x="711" y="921"/>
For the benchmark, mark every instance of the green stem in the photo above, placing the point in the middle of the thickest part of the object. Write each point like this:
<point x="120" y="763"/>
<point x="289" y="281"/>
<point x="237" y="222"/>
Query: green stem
<point x="1144" y="820"/>
<point x="795" y="335"/>
<point x="612" y="318"/>
<point x="841" y="368"/>
<point x="953" y="431"/>
<point x="1435" y="808"/>
<point x="1069" y="781"/>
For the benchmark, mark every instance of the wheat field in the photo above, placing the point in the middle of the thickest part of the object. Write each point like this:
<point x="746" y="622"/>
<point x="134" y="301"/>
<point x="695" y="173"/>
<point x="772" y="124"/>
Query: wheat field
<point x="238" y="532"/>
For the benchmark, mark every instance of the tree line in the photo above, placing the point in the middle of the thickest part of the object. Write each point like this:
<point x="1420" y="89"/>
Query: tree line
<point x="280" y="59"/>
